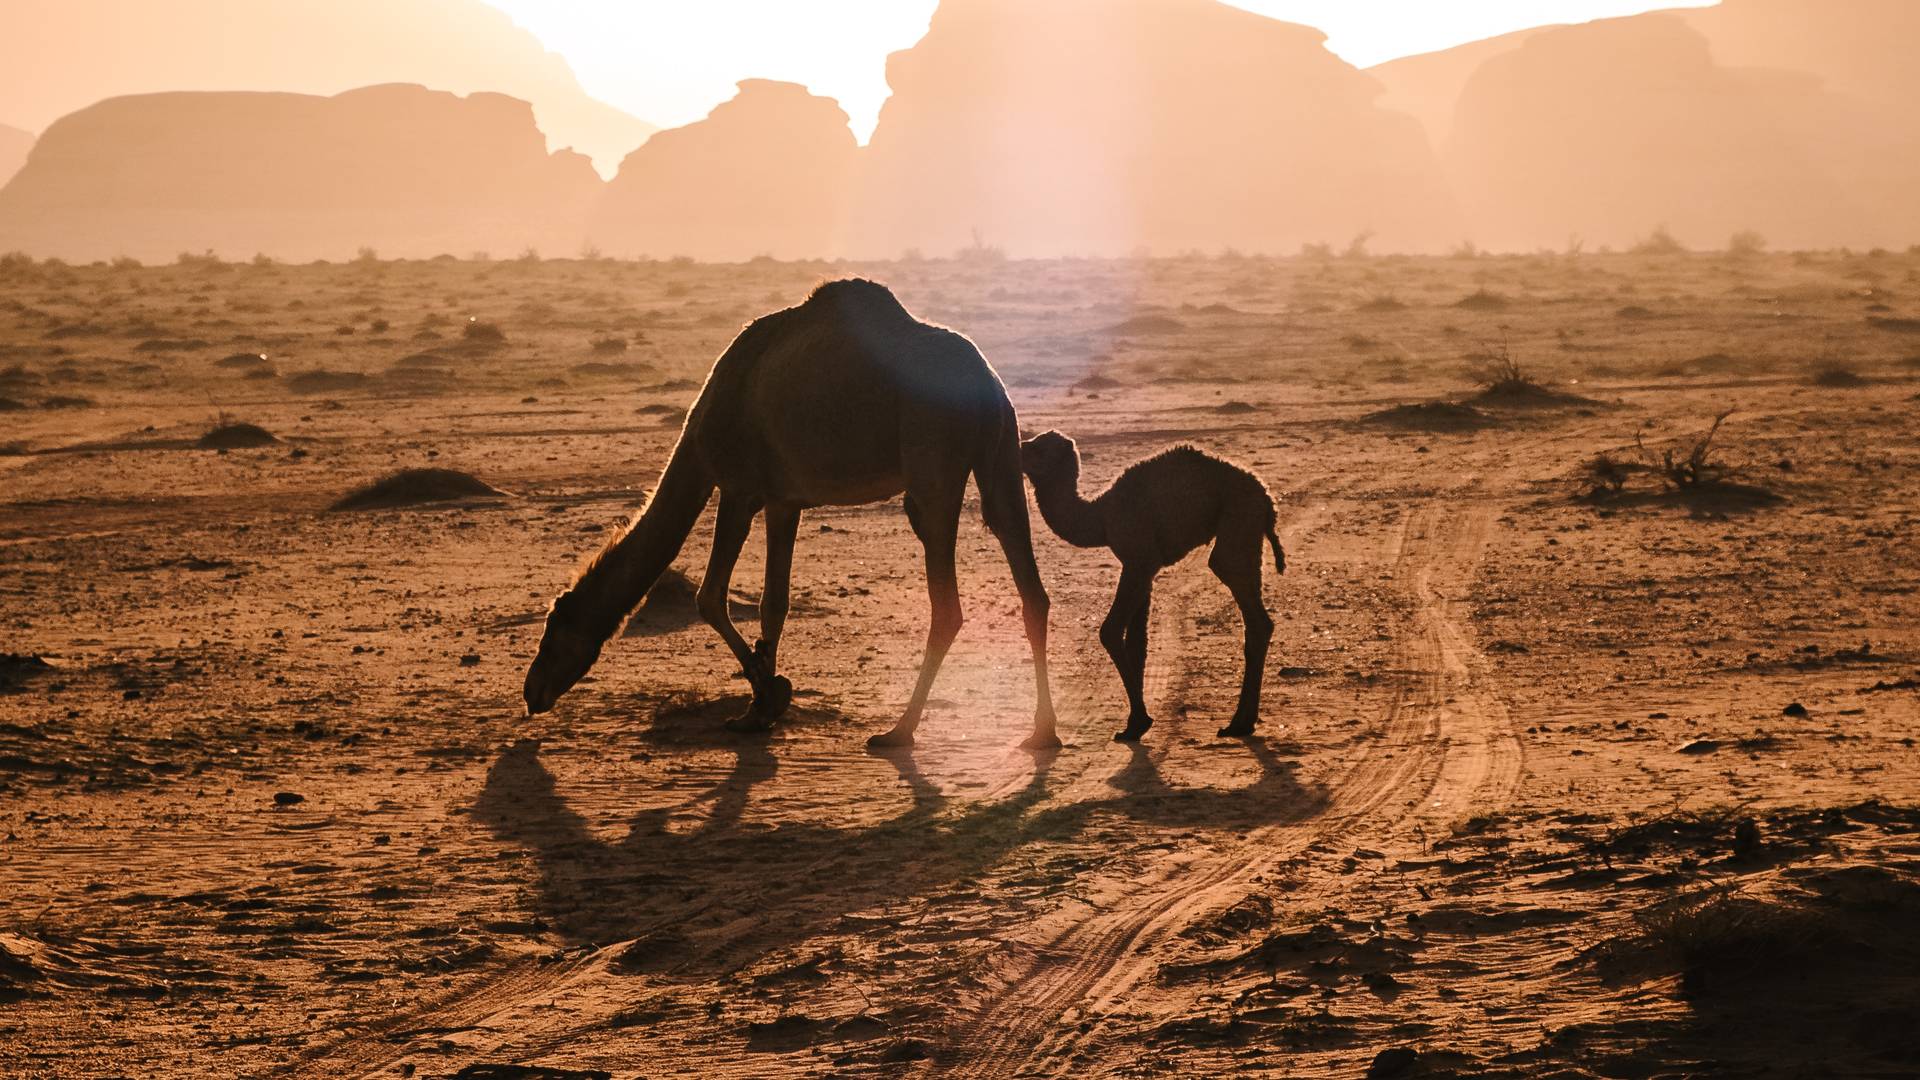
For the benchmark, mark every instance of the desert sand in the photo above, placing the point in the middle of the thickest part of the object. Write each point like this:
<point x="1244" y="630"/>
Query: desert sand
<point x="1550" y="780"/>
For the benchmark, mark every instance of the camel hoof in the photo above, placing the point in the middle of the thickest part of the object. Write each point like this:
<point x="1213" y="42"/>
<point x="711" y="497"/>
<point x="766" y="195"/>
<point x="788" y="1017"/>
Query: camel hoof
<point x="890" y="740"/>
<point x="751" y="722"/>
<point x="771" y="698"/>
<point x="1133" y="731"/>
<point x="1041" y="740"/>
<point x="1238" y="729"/>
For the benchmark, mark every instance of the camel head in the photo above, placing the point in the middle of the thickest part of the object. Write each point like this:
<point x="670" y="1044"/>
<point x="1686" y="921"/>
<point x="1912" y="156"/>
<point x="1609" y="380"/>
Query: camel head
<point x="1049" y="455"/>
<point x="567" y="652"/>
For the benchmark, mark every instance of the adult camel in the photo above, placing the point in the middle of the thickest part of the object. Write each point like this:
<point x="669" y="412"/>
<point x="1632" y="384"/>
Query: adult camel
<point x="843" y="400"/>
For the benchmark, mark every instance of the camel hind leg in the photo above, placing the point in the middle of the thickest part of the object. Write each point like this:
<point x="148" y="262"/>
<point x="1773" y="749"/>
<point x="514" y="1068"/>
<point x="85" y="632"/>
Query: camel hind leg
<point x="1236" y="561"/>
<point x="1003" y="504"/>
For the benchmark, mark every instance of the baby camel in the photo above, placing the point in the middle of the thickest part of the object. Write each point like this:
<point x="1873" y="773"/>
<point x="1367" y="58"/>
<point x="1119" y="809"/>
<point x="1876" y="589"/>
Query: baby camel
<point x="1160" y="509"/>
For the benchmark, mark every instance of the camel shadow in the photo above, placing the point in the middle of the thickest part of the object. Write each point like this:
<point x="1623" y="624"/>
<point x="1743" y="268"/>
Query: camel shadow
<point x="724" y="892"/>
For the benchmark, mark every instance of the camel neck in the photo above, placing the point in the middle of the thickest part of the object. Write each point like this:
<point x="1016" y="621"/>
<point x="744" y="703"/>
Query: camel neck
<point x="1071" y="517"/>
<point x="619" y="577"/>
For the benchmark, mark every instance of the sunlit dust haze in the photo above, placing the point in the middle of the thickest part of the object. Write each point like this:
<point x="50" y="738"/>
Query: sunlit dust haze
<point x="864" y="129"/>
<point x="671" y="62"/>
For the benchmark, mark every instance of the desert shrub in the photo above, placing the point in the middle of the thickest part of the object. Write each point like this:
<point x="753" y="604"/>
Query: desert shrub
<point x="205" y="260"/>
<point x="1357" y="247"/>
<point x="1746" y="243"/>
<point x="1693" y="470"/>
<point x="379" y="326"/>
<point x="365" y="255"/>
<point x="528" y="254"/>
<point x="1466" y="249"/>
<point x="125" y="262"/>
<point x="979" y="251"/>
<point x="1658" y="242"/>
<point x="484" y="333"/>
<point x="1501" y="373"/>
<point x="1837" y="375"/>
<point x="262" y="259"/>
<point x="1311" y="250"/>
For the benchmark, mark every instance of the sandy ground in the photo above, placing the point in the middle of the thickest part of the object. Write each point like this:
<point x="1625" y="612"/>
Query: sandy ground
<point x="1546" y="784"/>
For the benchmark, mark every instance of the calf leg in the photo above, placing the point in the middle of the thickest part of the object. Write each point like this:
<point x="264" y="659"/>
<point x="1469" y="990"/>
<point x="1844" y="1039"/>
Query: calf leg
<point x="1130" y="603"/>
<point x="1236" y="562"/>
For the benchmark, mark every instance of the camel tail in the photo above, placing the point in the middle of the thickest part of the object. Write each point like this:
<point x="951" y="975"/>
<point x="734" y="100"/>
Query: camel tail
<point x="1279" y="554"/>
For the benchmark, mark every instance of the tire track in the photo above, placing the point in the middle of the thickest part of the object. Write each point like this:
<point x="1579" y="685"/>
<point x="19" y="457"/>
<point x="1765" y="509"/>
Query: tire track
<point x="1432" y="753"/>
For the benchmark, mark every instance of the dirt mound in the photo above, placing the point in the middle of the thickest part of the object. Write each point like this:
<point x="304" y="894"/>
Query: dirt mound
<point x="236" y="437"/>
<point x="1148" y="324"/>
<point x="417" y="487"/>
<point x="242" y="360"/>
<point x="321" y="381"/>
<point x="1096" y="383"/>
<point x="1525" y="394"/>
<point x="1483" y="301"/>
<point x="17" y="668"/>
<point x="1431" y="416"/>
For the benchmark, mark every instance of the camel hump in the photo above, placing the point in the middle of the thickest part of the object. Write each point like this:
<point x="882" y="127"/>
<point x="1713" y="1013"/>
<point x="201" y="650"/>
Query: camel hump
<point x="857" y="299"/>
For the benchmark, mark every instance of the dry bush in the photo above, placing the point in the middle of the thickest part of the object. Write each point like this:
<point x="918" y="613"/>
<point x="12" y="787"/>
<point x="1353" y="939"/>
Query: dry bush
<point x="1695" y="469"/>
<point x="1658" y="242"/>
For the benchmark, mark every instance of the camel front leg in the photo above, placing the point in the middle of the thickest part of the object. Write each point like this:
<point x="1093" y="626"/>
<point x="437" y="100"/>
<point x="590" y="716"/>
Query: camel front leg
<point x="937" y="521"/>
<point x="731" y="524"/>
<point x="783" y="523"/>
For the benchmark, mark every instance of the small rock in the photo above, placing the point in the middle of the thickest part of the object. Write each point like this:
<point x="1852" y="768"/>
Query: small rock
<point x="1699" y="746"/>
<point x="471" y="659"/>
<point x="288" y="798"/>
<point x="1795" y="709"/>
<point x="1394" y="1061"/>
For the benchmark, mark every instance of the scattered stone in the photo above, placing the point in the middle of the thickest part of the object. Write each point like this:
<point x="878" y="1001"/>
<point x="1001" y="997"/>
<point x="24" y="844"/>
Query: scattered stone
<point x="1796" y="709"/>
<point x="471" y="659"/>
<point x="1699" y="746"/>
<point x="288" y="798"/>
<point x="1394" y="1061"/>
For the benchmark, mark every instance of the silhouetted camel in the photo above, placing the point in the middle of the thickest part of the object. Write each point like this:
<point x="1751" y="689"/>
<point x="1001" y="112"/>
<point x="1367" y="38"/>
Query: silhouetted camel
<point x="1160" y="509"/>
<point x="845" y="399"/>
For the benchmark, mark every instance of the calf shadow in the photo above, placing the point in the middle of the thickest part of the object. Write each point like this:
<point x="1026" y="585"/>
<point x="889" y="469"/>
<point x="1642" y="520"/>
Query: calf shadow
<point x="720" y="894"/>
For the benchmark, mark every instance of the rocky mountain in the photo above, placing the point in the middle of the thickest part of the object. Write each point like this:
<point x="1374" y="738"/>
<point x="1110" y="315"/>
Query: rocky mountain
<point x="401" y="169"/>
<point x="766" y="173"/>
<point x="1427" y="86"/>
<point x="1609" y="129"/>
<point x="1106" y="126"/>
<point x="58" y="56"/>
<point x="14" y="144"/>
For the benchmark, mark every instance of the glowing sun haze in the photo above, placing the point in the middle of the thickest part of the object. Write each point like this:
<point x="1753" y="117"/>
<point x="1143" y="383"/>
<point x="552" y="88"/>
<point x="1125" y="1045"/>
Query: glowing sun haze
<point x="670" y="63"/>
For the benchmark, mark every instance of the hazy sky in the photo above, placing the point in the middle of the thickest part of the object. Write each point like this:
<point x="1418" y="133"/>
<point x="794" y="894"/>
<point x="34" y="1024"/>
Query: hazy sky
<point x="670" y="62"/>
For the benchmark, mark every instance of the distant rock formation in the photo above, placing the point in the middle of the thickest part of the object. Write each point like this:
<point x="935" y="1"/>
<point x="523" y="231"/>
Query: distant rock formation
<point x="766" y="173"/>
<point x="1102" y="126"/>
<point x="1427" y="86"/>
<point x="14" y="145"/>
<point x="57" y="56"/>
<point x="402" y="169"/>
<point x="1608" y="129"/>
<point x="1860" y="48"/>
